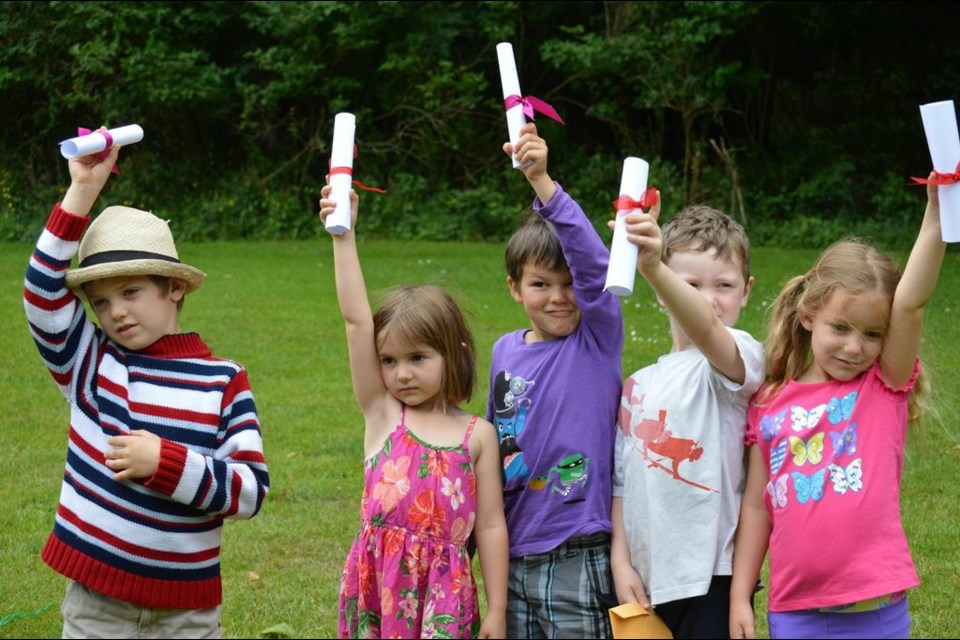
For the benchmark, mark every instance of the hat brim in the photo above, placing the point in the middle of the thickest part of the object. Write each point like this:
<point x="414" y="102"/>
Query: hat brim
<point x="76" y="278"/>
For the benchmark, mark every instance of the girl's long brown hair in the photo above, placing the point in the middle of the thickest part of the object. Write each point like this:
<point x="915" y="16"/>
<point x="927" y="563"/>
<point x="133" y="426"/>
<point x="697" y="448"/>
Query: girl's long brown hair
<point x="850" y="266"/>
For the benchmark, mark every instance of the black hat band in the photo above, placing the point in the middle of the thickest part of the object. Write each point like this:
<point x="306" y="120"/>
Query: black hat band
<point x="105" y="257"/>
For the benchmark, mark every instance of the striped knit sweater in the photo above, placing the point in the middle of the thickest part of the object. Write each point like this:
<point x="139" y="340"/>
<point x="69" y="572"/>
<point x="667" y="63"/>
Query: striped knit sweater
<point x="154" y="542"/>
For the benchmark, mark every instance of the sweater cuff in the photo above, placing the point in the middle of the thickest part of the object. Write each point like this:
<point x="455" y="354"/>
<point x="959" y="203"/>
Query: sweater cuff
<point x="173" y="459"/>
<point x="66" y="225"/>
<point x="539" y="206"/>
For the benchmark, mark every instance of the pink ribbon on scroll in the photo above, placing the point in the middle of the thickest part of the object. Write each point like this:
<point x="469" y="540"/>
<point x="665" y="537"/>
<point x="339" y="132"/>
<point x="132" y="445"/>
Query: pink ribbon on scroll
<point x="531" y="104"/>
<point x="82" y="131"/>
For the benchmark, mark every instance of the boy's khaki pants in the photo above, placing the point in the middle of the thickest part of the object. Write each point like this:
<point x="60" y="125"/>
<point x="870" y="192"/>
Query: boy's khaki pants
<point x="88" y="614"/>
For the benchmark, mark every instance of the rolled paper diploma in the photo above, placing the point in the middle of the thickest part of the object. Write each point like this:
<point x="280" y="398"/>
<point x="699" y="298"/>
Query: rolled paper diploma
<point x="341" y="172"/>
<point x="940" y="125"/>
<point x="622" y="269"/>
<point x="97" y="141"/>
<point x="511" y="87"/>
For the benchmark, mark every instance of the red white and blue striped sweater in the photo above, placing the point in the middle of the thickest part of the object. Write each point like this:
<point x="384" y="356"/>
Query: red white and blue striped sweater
<point x="154" y="542"/>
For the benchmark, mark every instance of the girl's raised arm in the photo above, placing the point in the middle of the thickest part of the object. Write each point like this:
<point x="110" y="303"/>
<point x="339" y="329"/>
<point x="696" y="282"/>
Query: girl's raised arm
<point x="368" y="385"/>
<point x="902" y="342"/>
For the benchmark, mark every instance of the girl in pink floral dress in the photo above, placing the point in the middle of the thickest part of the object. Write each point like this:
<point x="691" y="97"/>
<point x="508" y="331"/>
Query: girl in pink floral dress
<point x="432" y="471"/>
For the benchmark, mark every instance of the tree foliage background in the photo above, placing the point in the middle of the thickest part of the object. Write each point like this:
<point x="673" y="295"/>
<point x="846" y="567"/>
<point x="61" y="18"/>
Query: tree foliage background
<point x="799" y="118"/>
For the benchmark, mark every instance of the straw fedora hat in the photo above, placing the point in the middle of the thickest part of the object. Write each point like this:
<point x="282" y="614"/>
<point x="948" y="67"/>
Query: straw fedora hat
<point x="123" y="241"/>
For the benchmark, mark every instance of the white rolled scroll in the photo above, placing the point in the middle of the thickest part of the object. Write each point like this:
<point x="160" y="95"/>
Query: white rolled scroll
<point x="97" y="141"/>
<point x="622" y="269"/>
<point x="940" y="126"/>
<point x="341" y="172"/>
<point x="511" y="87"/>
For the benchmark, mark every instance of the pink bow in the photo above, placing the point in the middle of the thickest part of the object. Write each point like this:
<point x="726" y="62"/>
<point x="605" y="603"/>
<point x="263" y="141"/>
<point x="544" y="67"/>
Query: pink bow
<point x="531" y="104"/>
<point x="102" y="154"/>
<point x="627" y="204"/>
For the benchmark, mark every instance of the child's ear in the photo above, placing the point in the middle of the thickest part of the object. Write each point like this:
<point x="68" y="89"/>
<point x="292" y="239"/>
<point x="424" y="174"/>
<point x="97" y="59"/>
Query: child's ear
<point x="806" y="321"/>
<point x="748" y="287"/>
<point x="178" y="289"/>
<point x="514" y="289"/>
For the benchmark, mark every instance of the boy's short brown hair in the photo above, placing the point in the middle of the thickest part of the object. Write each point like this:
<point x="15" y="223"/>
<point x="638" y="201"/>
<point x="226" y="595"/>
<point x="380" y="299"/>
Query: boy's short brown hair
<point x="534" y="242"/>
<point x="700" y="228"/>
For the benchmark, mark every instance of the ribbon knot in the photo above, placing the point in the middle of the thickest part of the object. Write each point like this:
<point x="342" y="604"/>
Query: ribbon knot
<point x="940" y="179"/>
<point x="627" y="204"/>
<point x="349" y="171"/>
<point x="83" y="131"/>
<point x="530" y="105"/>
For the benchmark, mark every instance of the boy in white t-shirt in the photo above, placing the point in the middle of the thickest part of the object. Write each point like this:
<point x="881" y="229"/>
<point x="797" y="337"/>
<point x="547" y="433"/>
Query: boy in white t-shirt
<point x="679" y="469"/>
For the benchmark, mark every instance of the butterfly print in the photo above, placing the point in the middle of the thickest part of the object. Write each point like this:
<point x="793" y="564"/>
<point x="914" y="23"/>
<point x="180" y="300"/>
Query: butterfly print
<point x="844" y="441"/>
<point x="770" y="425"/>
<point x="777" y="456"/>
<point x="850" y="477"/>
<point x="808" y="487"/>
<point x="807" y="450"/>
<point x="777" y="489"/>
<point x="841" y="409"/>
<point x="802" y="419"/>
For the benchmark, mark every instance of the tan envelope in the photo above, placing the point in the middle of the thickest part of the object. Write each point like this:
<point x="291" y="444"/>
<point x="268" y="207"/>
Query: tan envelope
<point x="633" y="621"/>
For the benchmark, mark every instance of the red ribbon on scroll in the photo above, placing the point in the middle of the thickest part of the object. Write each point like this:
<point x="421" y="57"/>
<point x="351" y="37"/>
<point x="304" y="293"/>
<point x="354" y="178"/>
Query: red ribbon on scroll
<point x="627" y="204"/>
<point x="940" y="179"/>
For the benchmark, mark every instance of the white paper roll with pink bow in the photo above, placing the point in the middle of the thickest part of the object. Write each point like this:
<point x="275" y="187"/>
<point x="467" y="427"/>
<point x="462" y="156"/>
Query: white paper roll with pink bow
<point x="93" y="142"/>
<point x="518" y="107"/>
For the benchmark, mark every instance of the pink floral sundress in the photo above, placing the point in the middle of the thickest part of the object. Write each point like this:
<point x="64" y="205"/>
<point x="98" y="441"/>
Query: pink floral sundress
<point x="408" y="573"/>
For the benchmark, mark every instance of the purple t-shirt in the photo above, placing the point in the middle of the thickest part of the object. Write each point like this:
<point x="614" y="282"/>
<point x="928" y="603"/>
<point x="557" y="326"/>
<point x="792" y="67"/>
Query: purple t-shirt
<point x="554" y="403"/>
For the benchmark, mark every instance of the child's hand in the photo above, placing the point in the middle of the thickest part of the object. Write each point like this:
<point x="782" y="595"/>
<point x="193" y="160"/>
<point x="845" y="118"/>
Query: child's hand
<point x="135" y="455"/>
<point x="629" y="586"/>
<point x="531" y="152"/>
<point x="643" y="231"/>
<point x="90" y="170"/>
<point x="493" y="626"/>
<point x="742" y="623"/>
<point x="88" y="175"/>
<point x="327" y="206"/>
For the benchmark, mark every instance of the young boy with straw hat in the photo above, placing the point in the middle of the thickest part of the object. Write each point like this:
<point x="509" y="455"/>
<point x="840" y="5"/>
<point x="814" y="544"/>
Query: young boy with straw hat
<point x="164" y="438"/>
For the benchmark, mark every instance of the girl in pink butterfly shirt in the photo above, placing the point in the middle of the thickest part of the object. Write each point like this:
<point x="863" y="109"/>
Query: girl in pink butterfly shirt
<point x="826" y="436"/>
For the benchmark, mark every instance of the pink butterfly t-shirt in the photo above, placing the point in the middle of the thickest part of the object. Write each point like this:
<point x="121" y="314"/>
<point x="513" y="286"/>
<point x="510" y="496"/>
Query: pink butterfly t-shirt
<point x="834" y="458"/>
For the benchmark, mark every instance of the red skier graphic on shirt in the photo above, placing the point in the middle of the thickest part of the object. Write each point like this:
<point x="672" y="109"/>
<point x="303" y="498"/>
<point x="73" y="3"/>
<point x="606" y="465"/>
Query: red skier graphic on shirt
<point x="657" y="444"/>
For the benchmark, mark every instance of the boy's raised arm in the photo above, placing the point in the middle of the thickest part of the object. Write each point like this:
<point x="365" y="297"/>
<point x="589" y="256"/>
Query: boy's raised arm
<point x="690" y="309"/>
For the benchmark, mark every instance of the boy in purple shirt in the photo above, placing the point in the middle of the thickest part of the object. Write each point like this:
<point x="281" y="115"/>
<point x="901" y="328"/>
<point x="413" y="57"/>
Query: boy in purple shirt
<point x="554" y="392"/>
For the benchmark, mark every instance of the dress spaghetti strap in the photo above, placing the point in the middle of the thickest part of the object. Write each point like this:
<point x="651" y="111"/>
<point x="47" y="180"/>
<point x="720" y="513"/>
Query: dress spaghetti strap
<point x="466" y="436"/>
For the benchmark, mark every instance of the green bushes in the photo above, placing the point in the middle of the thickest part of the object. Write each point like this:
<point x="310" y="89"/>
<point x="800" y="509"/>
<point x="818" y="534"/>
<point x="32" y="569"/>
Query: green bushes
<point x="810" y="123"/>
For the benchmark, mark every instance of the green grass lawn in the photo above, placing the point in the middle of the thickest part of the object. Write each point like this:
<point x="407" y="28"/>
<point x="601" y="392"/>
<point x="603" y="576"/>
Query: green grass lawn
<point x="272" y="306"/>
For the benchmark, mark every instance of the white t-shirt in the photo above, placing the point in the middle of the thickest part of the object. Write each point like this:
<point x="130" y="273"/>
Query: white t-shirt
<point x="679" y="467"/>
